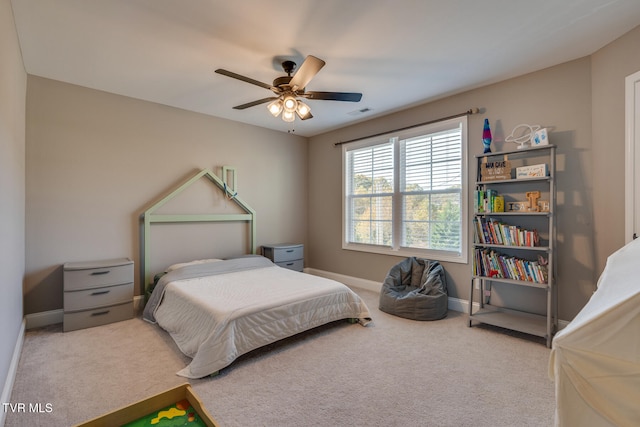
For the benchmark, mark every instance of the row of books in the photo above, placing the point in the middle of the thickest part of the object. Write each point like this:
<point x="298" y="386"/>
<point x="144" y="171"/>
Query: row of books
<point x="489" y="263"/>
<point x="493" y="232"/>
<point x="488" y="201"/>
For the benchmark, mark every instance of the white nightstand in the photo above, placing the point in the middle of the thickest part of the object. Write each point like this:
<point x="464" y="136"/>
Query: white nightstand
<point x="97" y="293"/>
<point x="287" y="255"/>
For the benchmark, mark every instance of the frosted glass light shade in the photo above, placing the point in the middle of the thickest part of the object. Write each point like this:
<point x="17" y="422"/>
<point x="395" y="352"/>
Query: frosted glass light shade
<point x="275" y="107"/>
<point x="303" y="110"/>
<point x="288" y="116"/>
<point x="290" y="104"/>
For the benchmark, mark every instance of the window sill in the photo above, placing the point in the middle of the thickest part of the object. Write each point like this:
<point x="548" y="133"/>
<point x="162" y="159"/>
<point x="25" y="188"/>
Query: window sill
<point x="443" y="256"/>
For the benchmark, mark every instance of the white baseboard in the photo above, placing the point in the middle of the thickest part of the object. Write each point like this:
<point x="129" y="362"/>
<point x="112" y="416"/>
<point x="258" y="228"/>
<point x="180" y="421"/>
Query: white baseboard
<point x="138" y="304"/>
<point x="461" y="305"/>
<point x="455" y="304"/>
<point x="44" y="318"/>
<point x="13" y="370"/>
<point x="350" y="281"/>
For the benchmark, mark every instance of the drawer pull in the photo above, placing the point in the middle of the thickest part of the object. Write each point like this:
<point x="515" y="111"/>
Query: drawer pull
<point x="100" y="292"/>
<point x="99" y="273"/>
<point x="290" y="263"/>
<point x="289" y="250"/>
<point x="100" y="313"/>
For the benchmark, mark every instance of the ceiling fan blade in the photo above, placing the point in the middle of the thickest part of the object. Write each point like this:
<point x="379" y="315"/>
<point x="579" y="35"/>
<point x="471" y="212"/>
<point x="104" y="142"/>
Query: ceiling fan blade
<point x="242" y="78"/>
<point x="254" y="103"/>
<point x="309" y="68"/>
<point x="334" y="96"/>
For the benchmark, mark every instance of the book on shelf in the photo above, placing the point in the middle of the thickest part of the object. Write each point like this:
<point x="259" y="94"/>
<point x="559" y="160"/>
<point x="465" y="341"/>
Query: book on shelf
<point x="488" y="201"/>
<point x="493" y="232"/>
<point x="492" y="264"/>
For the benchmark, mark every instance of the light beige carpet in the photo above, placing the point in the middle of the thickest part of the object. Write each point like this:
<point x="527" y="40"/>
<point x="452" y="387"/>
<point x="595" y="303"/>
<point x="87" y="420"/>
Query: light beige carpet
<point x="395" y="372"/>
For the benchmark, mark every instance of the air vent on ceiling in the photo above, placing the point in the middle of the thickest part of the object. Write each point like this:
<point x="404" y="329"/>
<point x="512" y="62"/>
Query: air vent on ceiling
<point x="360" y="111"/>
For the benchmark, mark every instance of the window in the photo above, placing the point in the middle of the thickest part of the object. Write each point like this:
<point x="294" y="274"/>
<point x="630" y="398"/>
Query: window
<point x="406" y="193"/>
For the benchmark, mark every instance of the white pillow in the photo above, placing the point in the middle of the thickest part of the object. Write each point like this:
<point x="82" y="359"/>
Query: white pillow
<point x="198" y="261"/>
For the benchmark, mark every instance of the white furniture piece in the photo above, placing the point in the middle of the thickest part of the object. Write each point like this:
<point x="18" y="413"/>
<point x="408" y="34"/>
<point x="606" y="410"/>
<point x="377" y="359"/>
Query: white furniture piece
<point x="287" y="255"/>
<point x="97" y="292"/>
<point x="502" y="261"/>
<point x="595" y="360"/>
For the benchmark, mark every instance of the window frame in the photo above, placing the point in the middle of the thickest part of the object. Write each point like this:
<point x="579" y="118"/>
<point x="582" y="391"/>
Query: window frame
<point x="396" y="138"/>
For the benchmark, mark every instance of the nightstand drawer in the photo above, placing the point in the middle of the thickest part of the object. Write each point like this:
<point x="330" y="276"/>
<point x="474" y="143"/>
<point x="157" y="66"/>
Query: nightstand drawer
<point x="97" y="317"/>
<point x="80" y="276"/>
<point x="297" y="265"/>
<point x="98" y="297"/>
<point x="281" y="253"/>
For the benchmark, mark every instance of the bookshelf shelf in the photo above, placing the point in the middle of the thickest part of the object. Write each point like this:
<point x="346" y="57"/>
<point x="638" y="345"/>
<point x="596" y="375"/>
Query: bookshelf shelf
<point x="543" y="285"/>
<point x="511" y="213"/>
<point x="515" y="249"/>
<point x="533" y="324"/>
<point x="519" y="248"/>
<point x="514" y="181"/>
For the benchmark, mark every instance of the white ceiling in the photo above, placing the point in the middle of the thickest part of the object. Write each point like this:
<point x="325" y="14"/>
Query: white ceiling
<point x="398" y="53"/>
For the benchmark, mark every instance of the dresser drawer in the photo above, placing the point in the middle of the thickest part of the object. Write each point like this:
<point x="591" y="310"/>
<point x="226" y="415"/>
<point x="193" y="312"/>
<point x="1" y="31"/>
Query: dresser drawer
<point x="297" y="265"/>
<point x="97" y="297"/>
<point x="79" y="276"/>
<point x="281" y="253"/>
<point x="97" y="317"/>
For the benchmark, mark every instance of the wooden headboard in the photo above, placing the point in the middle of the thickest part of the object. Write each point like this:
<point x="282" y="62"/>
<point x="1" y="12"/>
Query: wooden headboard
<point x="150" y="217"/>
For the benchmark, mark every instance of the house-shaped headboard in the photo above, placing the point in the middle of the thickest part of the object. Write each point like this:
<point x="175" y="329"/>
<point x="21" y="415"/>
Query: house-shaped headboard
<point x="150" y="217"/>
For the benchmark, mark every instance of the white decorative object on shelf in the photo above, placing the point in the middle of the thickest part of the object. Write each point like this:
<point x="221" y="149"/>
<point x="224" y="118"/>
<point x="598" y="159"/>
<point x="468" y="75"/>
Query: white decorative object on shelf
<point x="523" y="134"/>
<point x="540" y="137"/>
<point x="533" y="171"/>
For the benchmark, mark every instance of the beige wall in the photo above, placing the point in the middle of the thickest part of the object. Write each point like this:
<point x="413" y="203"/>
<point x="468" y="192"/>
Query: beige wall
<point x="581" y="101"/>
<point x="13" y="83"/>
<point x="610" y="66"/>
<point x="558" y="98"/>
<point x="96" y="161"/>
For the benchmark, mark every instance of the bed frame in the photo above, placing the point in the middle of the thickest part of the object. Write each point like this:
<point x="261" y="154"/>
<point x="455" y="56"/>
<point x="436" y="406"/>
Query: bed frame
<point x="150" y="218"/>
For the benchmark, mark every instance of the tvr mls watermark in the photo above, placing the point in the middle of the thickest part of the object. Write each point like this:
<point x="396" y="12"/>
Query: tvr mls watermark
<point x="21" y="407"/>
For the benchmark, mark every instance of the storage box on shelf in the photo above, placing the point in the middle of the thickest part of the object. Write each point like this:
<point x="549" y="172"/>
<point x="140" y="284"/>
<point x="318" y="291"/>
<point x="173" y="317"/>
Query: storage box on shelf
<point x="514" y="237"/>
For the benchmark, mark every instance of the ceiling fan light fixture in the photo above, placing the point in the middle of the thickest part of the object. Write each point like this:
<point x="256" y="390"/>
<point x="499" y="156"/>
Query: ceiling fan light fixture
<point x="288" y="88"/>
<point x="303" y="110"/>
<point x="275" y="107"/>
<point x="288" y="116"/>
<point x="290" y="104"/>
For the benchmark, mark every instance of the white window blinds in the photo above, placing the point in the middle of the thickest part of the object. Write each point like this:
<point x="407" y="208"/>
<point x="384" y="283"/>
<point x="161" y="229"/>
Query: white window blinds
<point x="371" y="188"/>
<point x="407" y="194"/>
<point x="431" y="183"/>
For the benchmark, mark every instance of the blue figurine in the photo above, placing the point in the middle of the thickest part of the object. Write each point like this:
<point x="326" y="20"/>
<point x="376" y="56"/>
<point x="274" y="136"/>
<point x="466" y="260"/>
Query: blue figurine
<point x="486" y="136"/>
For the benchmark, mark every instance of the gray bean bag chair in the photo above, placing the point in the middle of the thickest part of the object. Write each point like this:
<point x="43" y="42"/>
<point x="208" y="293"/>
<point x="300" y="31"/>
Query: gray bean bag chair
<point x="415" y="289"/>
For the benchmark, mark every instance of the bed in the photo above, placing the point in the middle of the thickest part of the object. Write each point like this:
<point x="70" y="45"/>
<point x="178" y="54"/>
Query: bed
<point x="216" y="311"/>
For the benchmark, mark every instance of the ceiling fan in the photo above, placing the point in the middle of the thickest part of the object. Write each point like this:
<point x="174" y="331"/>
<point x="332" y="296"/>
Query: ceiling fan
<point x="289" y="88"/>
